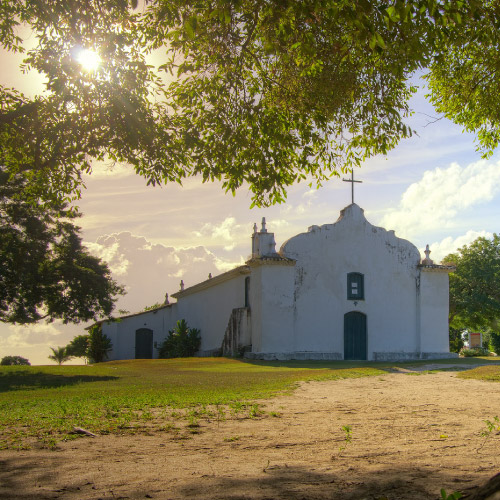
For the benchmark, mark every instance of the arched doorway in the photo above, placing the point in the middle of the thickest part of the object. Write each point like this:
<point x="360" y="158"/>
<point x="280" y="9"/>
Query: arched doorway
<point x="355" y="341"/>
<point x="143" y="343"/>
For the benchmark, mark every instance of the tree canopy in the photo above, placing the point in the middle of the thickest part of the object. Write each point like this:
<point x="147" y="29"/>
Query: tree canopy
<point x="14" y="360"/>
<point x="255" y="92"/>
<point x="45" y="272"/>
<point x="475" y="285"/>
<point x="78" y="347"/>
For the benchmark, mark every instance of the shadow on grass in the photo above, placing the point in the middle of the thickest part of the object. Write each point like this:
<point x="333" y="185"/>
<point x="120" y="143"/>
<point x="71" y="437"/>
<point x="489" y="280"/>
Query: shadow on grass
<point x="457" y="363"/>
<point x="28" y="380"/>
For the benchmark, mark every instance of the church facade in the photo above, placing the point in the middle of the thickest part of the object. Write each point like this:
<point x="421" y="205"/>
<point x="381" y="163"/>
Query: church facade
<point x="341" y="291"/>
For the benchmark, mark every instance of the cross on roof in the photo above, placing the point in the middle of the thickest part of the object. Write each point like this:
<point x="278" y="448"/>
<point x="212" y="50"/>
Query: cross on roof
<point x="352" y="181"/>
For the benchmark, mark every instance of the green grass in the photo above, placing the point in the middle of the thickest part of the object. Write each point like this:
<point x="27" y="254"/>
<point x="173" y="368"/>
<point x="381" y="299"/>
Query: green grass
<point x="490" y="373"/>
<point x="40" y="405"/>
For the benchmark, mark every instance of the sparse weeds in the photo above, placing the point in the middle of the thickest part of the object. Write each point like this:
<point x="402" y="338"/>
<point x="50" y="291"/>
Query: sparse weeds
<point x="451" y="496"/>
<point x="236" y="408"/>
<point x="255" y="411"/>
<point x="491" y="426"/>
<point x="193" y="422"/>
<point x="347" y="437"/>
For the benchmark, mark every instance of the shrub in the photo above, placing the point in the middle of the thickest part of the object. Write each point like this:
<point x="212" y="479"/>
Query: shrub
<point x="181" y="342"/>
<point x="495" y="342"/>
<point x="476" y="351"/>
<point x="14" y="360"/>
<point x="98" y="345"/>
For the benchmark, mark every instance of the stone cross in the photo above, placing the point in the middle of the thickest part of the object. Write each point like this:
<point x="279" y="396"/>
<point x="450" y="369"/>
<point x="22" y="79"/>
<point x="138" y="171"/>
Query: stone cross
<point x="352" y="181"/>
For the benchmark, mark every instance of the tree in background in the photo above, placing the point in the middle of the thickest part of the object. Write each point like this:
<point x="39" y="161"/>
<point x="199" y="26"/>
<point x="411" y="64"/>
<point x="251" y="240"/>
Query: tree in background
<point x="79" y="346"/>
<point x="456" y="340"/>
<point x="14" y="360"/>
<point x="60" y="355"/>
<point x="45" y="271"/>
<point x="98" y="345"/>
<point x="181" y="342"/>
<point x="251" y="92"/>
<point x="475" y="286"/>
<point x="495" y="340"/>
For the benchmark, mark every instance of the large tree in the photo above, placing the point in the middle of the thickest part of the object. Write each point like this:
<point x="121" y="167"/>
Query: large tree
<point x="260" y="92"/>
<point x="475" y="285"/>
<point x="45" y="272"/>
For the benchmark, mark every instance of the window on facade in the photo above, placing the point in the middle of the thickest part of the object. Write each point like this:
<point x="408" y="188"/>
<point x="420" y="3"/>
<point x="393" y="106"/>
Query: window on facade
<point x="355" y="286"/>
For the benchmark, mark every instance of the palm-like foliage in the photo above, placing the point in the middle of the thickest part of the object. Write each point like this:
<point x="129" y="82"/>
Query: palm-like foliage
<point x="181" y="342"/>
<point x="59" y="355"/>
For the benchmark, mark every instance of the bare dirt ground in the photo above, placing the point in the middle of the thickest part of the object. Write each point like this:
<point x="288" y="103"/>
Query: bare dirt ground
<point x="412" y="434"/>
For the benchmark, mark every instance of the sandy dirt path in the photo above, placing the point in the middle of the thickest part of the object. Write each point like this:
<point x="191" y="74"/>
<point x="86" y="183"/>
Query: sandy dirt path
<point x="412" y="434"/>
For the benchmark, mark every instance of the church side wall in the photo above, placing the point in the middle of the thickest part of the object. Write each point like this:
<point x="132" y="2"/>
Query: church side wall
<point x="210" y="310"/>
<point x="122" y="332"/>
<point x="434" y="299"/>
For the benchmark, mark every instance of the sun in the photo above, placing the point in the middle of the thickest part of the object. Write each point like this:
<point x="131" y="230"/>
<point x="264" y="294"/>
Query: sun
<point x="88" y="59"/>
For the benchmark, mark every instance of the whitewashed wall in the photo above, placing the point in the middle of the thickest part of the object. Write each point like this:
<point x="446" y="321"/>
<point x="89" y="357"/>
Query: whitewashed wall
<point x="434" y="299"/>
<point x="122" y="332"/>
<point x="272" y="306"/>
<point x="209" y="309"/>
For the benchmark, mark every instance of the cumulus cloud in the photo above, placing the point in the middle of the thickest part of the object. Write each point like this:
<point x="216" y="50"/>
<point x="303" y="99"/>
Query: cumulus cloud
<point x="149" y="270"/>
<point x="441" y="249"/>
<point x="22" y="336"/>
<point x="226" y="233"/>
<point x="111" y="254"/>
<point x="441" y="195"/>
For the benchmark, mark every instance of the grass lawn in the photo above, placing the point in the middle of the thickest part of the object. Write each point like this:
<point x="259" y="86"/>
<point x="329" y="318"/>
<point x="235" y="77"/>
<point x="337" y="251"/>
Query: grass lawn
<point x="41" y="404"/>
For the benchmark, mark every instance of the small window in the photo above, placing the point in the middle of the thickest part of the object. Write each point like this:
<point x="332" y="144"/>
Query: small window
<point x="355" y="286"/>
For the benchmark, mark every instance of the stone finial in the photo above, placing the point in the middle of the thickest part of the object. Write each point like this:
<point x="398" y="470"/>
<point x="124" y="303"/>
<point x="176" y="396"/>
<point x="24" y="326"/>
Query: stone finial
<point x="166" y="302"/>
<point x="255" y="228"/>
<point x="182" y="285"/>
<point x="209" y="276"/>
<point x="427" y="261"/>
<point x="263" y="229"/>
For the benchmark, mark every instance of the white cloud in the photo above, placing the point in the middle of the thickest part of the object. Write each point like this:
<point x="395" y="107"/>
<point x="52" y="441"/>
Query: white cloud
<point x="441" y="249"/>
<point x="22" y="336"/>
<point x="227" y="233"/>
<point x="110" y="254"/>
<point x="150" y="269"/>
<point x="441" y="194"/>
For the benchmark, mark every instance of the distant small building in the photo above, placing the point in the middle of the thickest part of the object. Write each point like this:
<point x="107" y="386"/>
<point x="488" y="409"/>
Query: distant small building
<point x="347" y="290"/>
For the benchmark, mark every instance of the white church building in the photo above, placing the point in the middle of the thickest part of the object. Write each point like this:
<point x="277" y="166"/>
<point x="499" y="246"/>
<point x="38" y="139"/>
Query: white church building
<point x="342" y="291"/>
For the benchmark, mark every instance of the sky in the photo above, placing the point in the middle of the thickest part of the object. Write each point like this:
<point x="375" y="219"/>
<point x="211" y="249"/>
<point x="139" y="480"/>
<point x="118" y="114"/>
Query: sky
<point x="433" y="188"/>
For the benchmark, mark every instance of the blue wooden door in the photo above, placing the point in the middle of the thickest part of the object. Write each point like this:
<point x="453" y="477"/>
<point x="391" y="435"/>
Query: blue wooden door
<point x="355" y="345"/>
<point x="144" y="343"/>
